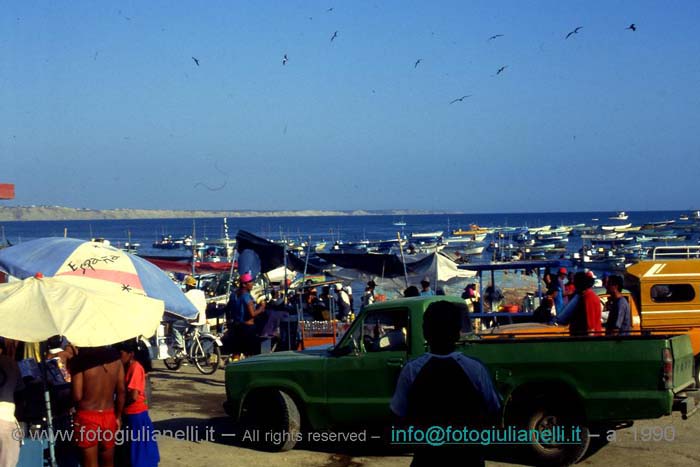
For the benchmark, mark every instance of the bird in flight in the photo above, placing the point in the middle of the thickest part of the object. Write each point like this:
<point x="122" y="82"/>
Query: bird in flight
<point x="495" y="37"/>
<point x="460" y="99"/>
<point x="195" y="61"/>
<point x="500" y="70"/>
<point x="415" y="65"/>
<point x="575" y="31"/>
<point x="335" y="34"/>
<point x="284" y="59"/>
<point x="329" y="10"/>
<point x="632" y="26"/>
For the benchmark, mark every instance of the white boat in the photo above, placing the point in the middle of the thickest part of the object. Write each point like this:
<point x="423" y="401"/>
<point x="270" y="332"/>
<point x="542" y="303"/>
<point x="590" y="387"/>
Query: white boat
<point x="400" y="223"/>
<point x="620" y="216"/>
<point x="477" y="250"/>
<point x="435" y="234"/>
<point x="476" y="238"/>
<point x="695" y="215"/>
<point x="616" y="228"/>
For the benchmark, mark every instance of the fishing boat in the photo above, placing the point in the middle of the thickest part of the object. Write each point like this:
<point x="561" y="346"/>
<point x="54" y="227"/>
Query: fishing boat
<point x="616" y="228"/>
<point x="620" y="216"/>
<point x="473" y="230"/>
<point x="434" y="234"/>
<point x="400" y="223"/>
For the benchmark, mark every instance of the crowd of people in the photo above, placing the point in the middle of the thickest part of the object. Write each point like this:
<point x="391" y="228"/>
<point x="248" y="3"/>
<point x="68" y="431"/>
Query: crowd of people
<point x="97" y="392"/>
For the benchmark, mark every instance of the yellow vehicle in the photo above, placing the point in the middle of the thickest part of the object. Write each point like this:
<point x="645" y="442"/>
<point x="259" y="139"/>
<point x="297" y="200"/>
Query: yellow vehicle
<point x="663" y="293"/>
<point x="667" y="290"/>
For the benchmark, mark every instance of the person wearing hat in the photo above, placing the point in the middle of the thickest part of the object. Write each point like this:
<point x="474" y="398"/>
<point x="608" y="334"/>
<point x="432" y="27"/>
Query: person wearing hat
<point x="426" y="291"/>
<point x="343" y="302"/>
<point x="556" y="289"/>
<point x="368" y="295"/>
<point x="243" y="311"/>
<point x="179" y="326"/>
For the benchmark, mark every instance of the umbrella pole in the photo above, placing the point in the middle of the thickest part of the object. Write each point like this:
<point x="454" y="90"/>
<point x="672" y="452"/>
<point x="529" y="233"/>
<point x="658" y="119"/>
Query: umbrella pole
<point x="49" y="420"/>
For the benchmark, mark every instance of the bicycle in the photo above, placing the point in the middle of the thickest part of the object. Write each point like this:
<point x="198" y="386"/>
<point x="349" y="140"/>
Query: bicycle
<point x="201" y="348"/>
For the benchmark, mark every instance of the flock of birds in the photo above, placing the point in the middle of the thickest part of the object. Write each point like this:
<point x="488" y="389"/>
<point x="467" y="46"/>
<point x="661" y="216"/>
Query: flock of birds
<point x="285" y="59"/>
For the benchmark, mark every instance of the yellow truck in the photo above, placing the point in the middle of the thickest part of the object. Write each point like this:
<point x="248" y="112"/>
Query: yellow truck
<point x="666" y="293"/>
<point x="663" y="293"/>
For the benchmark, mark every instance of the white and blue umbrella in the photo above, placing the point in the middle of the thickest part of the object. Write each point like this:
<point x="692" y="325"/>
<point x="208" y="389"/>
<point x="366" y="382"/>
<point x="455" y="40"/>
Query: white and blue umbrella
<point x="100" y="265"/>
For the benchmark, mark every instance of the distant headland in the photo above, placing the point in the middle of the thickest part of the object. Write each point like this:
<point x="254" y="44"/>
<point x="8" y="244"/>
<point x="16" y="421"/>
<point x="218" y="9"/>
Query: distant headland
<point x="59" y="213"/>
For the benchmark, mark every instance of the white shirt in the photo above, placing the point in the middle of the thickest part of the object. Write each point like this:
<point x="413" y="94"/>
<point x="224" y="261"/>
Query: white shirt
<point x="199" y="300"/>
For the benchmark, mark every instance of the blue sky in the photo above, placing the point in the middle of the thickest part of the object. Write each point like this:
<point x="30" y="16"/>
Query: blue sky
<point x="103" y="106"/>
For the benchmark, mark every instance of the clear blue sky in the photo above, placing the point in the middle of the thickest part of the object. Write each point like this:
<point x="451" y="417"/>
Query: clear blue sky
<point x="103" y="106"/>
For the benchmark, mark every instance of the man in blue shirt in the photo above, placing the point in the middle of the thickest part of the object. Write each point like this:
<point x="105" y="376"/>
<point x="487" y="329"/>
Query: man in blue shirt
<point x="426" y="291"/>
<point x="619" y="318"/>
<point x="446" y="388"/>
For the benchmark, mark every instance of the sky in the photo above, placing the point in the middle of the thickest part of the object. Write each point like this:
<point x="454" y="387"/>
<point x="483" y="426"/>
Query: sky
<point x="103" y="105"/>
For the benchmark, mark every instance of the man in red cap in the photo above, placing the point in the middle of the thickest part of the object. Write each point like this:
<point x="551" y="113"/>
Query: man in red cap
<point x="243" y="311"/>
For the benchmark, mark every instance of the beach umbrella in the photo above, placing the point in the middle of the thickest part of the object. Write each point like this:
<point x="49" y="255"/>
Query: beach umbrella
<point x="37" y="308"/>
<point x="109" y="269"/>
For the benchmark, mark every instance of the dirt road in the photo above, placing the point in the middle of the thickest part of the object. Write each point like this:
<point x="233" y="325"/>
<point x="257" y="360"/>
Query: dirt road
<point x="190" y="402"/>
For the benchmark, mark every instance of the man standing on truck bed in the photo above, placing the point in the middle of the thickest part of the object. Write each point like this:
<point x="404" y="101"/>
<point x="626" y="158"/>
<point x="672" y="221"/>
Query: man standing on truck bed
<point x="446" y="388"/>
<point x="619" y="319"/>
<point x="585" y="319"/>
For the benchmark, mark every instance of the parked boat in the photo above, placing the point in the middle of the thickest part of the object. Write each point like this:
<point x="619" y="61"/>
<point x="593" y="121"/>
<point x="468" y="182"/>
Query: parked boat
<point x="473" y="230"/>
<point x="434" y="234"/>
<point x="616" y="228"/>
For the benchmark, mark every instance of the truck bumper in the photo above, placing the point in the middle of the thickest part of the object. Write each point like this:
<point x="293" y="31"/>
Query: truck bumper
<point x="687" y="403"/>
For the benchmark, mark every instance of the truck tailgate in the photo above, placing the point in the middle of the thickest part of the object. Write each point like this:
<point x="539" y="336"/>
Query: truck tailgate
<point x="683" y="363"/>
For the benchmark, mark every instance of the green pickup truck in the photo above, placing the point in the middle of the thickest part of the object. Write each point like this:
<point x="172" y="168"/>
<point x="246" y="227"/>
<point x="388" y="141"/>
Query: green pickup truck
<point x="595" y="383"/>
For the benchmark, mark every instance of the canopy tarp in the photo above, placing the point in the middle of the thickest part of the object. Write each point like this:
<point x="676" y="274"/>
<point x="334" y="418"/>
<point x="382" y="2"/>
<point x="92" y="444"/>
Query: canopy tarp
<point x="271" y="254"/>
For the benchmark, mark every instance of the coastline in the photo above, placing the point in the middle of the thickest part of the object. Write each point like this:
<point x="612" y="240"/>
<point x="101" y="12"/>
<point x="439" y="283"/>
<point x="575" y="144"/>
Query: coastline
<point x="60" y="213"/>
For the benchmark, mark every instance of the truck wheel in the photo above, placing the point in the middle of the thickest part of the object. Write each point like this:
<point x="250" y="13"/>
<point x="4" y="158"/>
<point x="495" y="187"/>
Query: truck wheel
<point x="559" y="420"/>
<point x="697" y="372"/>
<point x="271" y="421"/>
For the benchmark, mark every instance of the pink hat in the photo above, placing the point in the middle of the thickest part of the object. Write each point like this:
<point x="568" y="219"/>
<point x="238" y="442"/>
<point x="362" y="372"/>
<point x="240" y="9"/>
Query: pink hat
<point x="246" y="277"/>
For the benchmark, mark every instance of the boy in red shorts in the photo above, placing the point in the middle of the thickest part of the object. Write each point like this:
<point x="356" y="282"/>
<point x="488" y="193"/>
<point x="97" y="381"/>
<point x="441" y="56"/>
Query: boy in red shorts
<point x="98" y="393"/>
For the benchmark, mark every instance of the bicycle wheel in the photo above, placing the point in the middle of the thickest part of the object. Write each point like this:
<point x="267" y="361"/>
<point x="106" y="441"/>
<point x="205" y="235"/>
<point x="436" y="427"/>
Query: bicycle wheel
<point x="172" y="363"/>
<point x="206" y="355"/>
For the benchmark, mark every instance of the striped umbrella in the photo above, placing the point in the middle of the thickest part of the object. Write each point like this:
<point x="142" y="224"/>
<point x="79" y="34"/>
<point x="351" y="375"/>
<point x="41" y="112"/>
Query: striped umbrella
<point x="95" y="265"/>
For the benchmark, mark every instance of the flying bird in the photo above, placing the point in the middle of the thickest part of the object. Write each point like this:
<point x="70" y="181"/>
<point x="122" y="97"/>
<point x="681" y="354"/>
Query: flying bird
<point x="575" y="31"/>
<point x="335" y="34"/>
<point x="632" y="26"/>
<point x="500" y="70"/>
<point x="495" y="37"/>
<point x="284" y="59"/>
<point x="329" y="10"/>
<point x="415" y="65"/>
<point x="195" y="61"/>
<point x="460" y="99"/>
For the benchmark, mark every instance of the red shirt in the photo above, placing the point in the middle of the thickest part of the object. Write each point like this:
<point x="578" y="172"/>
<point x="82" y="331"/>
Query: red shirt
<point x="136" y="380"/>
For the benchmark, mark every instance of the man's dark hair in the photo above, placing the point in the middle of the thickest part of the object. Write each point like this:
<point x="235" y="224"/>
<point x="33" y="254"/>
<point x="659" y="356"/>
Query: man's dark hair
<point x="616" y="281"/>
<point x="411" y="291"/>
<point x="582" y="281"/>
<point x="442" y="322"/>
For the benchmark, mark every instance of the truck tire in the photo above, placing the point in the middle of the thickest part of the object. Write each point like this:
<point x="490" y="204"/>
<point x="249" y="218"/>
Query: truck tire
<point x="270" y="421"/>
<point x="540" y="417"/>
<point x="697" y="371"/>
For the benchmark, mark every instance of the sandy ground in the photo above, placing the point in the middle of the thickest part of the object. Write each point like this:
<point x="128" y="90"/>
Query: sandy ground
<point x="186" y="398"/>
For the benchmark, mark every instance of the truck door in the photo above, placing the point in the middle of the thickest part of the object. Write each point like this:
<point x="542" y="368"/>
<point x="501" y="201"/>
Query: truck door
<point x="360" y="384"/>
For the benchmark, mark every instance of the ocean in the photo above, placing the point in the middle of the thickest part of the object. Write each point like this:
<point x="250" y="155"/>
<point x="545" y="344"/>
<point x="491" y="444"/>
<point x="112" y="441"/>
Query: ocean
<point x="318" y="228"/>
